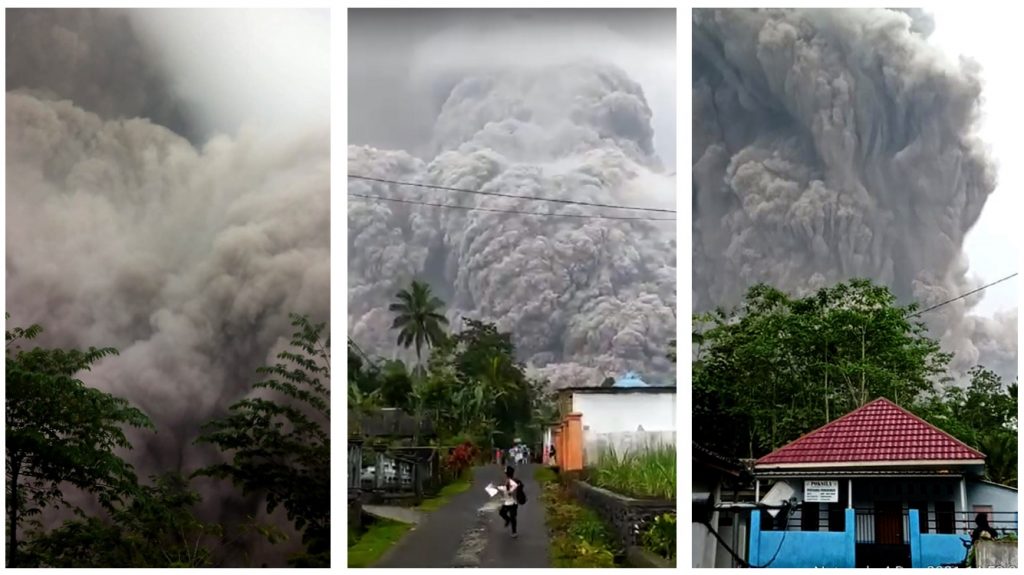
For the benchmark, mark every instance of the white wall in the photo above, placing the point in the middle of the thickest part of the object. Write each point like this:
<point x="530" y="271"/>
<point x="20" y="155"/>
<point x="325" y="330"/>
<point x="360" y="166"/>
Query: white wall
<point x="999" y="497"/>
<point x="622" y="442"/>
<point x="618" y="412"/>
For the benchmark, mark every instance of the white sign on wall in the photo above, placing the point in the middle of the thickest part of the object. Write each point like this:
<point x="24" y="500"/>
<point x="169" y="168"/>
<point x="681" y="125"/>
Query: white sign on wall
<point x="821" y="491"/>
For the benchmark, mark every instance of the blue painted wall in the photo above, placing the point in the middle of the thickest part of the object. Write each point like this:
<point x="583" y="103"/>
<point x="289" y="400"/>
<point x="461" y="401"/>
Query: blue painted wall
<point x="933" y="549"/>
<point x="802" y="548"/>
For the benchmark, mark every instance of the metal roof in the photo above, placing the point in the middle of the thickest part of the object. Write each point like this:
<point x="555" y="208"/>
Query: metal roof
<point x="877" y="434"/>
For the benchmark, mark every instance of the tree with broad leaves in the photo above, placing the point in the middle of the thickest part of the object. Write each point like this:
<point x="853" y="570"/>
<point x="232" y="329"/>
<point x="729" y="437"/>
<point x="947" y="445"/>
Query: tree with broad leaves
<point x="280" y="444"/>
<point x="778" y="366"/>
<point x="158" y="528"/>
<point x="982" y="415"/>
<point x="418" y="318"/>
<point x="61" y="432"/>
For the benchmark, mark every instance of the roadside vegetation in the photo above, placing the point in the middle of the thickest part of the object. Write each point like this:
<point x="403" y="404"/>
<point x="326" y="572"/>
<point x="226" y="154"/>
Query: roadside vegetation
<point x="460" y="485"/>
<point x="578" y="536"/>
<point x="645" y="473"/>
<point x="367" y="548"/>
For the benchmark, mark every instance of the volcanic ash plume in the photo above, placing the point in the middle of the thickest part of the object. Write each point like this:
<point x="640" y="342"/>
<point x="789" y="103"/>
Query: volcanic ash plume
<point x="582" y="297"/>
<point x="186" y="258"/>
<point x="831" y="144"/>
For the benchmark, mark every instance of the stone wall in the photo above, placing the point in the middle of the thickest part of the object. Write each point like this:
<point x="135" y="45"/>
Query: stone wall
<point x="620" y="512"/>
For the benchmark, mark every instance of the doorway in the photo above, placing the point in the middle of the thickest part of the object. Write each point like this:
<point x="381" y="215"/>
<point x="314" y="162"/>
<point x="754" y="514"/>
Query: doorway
<point x="881" y="540"/>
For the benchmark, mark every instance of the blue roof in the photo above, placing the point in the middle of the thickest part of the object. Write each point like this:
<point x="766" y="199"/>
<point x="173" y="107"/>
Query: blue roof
<point x="631" y="379"/>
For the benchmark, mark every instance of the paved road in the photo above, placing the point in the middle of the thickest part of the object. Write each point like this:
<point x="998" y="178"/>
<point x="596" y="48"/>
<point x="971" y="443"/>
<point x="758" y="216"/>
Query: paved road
<point x="467" y="532"/>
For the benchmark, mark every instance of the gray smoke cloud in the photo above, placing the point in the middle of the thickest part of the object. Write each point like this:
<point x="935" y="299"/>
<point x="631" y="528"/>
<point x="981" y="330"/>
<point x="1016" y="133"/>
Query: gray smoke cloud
<point x="122" y="232"/>
<point x="831" y="144"/>
<point x="583" y="298"/>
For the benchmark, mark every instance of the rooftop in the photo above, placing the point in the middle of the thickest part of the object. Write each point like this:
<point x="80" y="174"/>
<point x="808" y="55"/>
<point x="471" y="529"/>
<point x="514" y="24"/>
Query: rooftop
<point x="879" y="433"/>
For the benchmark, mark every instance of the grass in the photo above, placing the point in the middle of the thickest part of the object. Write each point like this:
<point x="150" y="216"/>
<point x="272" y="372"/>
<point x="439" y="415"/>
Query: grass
<point x="445" y="495"/>
<point x="380" y="536"/>
<point x="545" y="475"/>
<point x="578" y="537"/>
<point x="649" y="472"/>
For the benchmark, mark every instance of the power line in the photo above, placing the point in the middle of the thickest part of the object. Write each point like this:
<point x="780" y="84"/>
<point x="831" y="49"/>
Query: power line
<point x="962" y="296"/>
<point x="535" y="198"/>
<point x="479" y="209"/>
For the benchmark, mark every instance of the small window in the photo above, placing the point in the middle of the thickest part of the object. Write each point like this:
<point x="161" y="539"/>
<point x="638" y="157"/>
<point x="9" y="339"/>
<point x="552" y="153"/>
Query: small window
<point x="809" y="516"/>
<point x="945" y="517"/>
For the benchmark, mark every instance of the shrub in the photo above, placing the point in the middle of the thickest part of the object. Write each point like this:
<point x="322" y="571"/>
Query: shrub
<point x="587" y="554"/>
<point x="461" y="458"/>
<point x="660" y="536"/>
<point x="578" y="536"/>
<point x="588" y="527"/>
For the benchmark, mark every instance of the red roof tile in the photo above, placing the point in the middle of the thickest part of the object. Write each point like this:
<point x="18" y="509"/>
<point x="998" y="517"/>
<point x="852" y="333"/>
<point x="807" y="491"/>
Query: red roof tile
<point x="879" y="431"/>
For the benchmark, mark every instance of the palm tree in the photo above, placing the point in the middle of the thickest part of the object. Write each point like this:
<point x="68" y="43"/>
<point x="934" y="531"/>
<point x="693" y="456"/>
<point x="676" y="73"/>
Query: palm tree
<point x="418" y="318"/>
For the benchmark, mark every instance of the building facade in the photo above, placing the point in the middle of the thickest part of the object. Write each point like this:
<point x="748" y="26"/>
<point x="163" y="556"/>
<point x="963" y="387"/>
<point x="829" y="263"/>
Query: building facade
<point x="878" y="487"/>
<point x="626" y="416"/>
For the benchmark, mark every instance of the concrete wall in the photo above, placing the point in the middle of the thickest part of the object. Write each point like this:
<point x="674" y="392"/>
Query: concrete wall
<point x="805" y="549"/>
<point x="618" y="412"/>
<point x="933" y="549"/>
<point x="621" y="442"/>
<point x="701" y="545"/>
<point x="937" y="549"/>
<point x="997" y="554"/>
<point x="1001" y="498"/>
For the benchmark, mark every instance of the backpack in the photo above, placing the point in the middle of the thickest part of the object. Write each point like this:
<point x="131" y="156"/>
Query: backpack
<point x="520" y="494"/>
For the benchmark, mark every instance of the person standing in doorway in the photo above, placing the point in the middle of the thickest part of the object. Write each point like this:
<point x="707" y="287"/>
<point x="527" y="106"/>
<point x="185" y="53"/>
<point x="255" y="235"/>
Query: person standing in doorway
<point x="510" y="504"/>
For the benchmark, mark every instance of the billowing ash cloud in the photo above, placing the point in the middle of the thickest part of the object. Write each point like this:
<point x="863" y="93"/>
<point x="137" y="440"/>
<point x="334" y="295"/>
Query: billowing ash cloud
<point x="583" y="297"/>
<point x="830" y="144"/>
<point x="93" y="55"/>
<point x="123" y="233"/>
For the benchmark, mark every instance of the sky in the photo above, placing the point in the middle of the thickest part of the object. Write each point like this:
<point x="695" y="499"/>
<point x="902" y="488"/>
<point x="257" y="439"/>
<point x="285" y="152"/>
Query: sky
<point x="392" y="51"/>
<point x="993" y="244"/>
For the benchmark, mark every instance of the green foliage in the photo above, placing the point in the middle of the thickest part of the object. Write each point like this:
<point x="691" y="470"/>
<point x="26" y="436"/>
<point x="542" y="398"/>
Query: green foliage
<point x="460" y="485"/>
<point x="649" y="472"/>
<point x="281" y="446"/>
<point x="982" y="415"/>
<point x="778" y="367"/>
<point x="545" y="475"/>
<point x="156" y="529"/>
<point x="578" y="536"/>
<point x="59" y="431"/>
<point x="418" y="318"/>
<point x="374" y="384"/>
<point x="580" y="553"/>
<point x="369" y="548"/>
<point x="660" y="536"/>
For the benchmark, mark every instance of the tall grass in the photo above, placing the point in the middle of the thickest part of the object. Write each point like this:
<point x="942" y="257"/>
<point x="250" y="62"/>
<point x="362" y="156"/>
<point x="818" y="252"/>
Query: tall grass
<point x="647" y="472"/>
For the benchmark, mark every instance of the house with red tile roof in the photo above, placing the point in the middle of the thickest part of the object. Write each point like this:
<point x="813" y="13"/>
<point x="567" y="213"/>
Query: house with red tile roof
<point x="877" y="487"/>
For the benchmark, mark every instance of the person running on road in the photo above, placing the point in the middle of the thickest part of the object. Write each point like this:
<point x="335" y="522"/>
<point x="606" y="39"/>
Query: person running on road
<point x="510" y="507"/>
